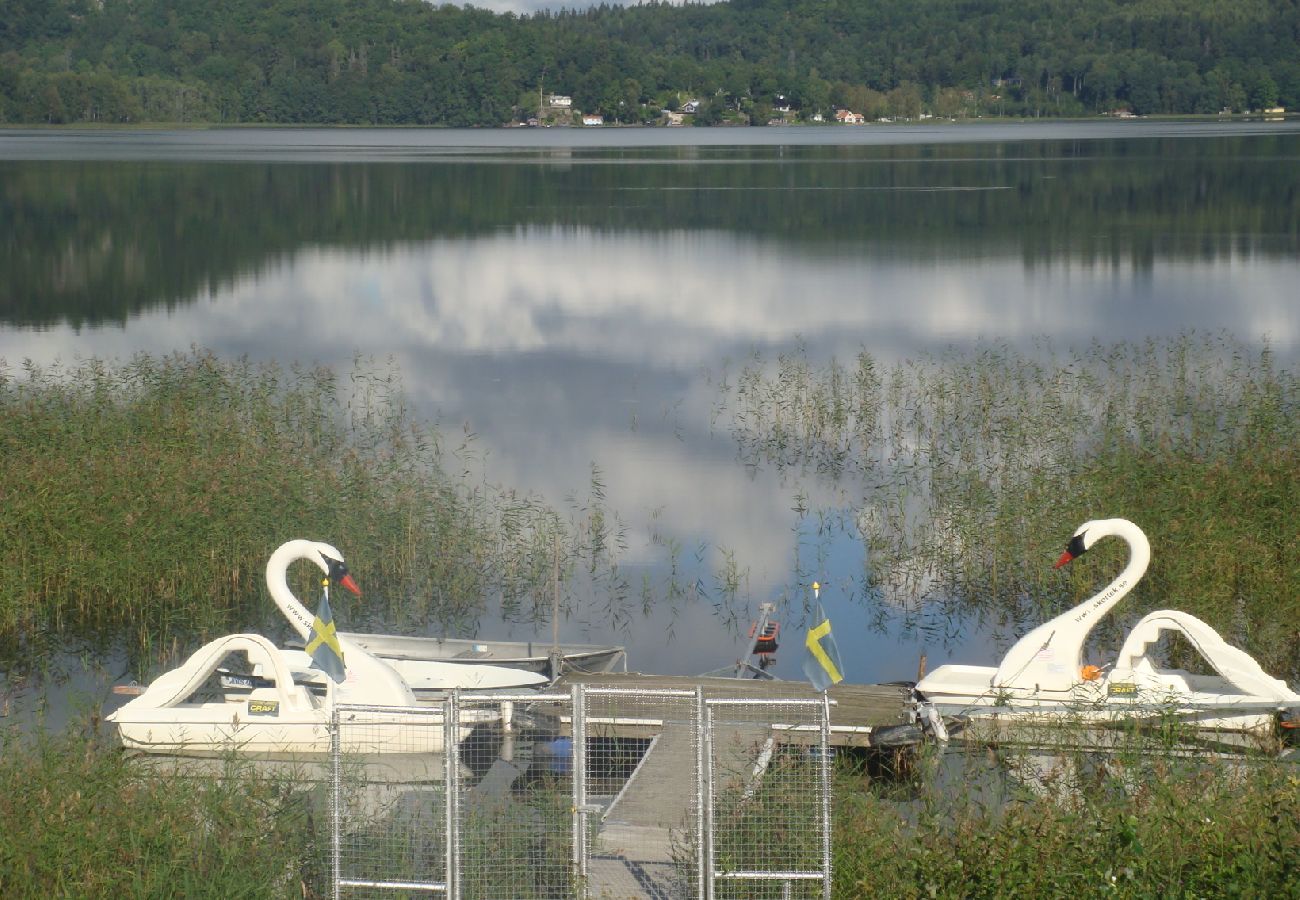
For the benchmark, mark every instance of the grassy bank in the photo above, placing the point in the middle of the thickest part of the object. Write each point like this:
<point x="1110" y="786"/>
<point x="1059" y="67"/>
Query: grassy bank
<point x="1176" y="828"/>
<point x="82" y="821"/>
<point x="79" y="822"/>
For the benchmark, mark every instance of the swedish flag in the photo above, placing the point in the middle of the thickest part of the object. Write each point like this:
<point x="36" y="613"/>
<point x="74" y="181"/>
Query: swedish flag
<point x="823" y="663"/>
<point x="324" y="649"/>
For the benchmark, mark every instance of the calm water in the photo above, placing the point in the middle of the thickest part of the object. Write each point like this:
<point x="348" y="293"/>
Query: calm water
<point x="573" y="297"/>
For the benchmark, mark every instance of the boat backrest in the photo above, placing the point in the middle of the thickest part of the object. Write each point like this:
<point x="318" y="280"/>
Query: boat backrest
<point x="178" y="685"/>
<point x="1236" y="666"/>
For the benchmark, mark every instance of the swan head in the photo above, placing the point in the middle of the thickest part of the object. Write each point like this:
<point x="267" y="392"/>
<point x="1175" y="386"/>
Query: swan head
<point x="1089" y="533"/>
<point x="330" y="561"/>
<point x="338" y="573"/>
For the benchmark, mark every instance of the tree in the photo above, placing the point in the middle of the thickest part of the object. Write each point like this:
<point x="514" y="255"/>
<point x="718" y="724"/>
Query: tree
<point x="952" y="103"/>
<point x="709" y="113"/>
<point x="52" y="104"/>
<point x="1227" y="92"/>
<point x="404" y="60"/>
<point x="905" y="100"/>
<point x="814" y="95"/>
<point x="1261" y="89"/>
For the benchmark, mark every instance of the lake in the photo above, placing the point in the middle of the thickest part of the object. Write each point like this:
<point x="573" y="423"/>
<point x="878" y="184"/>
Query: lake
<point x="575" y="299"/>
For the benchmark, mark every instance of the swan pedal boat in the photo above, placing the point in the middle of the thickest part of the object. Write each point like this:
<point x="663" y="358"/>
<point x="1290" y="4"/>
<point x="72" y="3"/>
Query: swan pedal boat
<point x="241" y="693"/>
<point x="1043" y="676"/>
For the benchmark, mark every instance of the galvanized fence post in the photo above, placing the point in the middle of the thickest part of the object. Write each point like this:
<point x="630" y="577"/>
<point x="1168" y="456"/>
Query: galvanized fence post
<point x="704" y="780"/>
<point x="336" y="797"/>
<point x="581" y="853"/>
<point x="825" y="748"/>
<point x="451" y="776"/>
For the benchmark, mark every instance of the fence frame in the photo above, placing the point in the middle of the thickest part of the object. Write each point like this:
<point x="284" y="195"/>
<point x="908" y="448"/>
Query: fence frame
<point x="823" y="874"/>
<point x="701" y="717"/>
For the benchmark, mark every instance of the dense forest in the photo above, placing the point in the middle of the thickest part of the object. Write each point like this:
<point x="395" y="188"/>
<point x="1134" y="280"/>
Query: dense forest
<point x="744" y="61"/>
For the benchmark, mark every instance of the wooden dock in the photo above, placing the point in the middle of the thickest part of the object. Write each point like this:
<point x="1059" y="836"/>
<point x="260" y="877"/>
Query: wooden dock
<point x="856" y="709"/>
<point x="632" y="857"/>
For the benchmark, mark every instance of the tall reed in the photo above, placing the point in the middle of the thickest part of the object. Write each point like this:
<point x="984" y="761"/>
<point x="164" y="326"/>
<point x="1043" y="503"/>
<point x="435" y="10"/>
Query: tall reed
<point x="1177" y="828"/>
<point x="80" y="822"/>
<point x="141" y="499"/>
<point x="975" y="467"/>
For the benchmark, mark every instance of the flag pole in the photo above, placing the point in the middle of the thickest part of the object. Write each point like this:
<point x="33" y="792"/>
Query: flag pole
<point x="329" y="682"/>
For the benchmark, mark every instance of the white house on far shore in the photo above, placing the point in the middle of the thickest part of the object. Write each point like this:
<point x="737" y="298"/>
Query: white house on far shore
<point x="563" y="101"/>
<point x="592" y="119"/>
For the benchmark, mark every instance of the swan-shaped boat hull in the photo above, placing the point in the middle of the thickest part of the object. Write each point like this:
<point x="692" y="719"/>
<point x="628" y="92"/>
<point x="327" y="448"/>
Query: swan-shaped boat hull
<point x="1042" y="676"/>
<point x="241" y="693"/>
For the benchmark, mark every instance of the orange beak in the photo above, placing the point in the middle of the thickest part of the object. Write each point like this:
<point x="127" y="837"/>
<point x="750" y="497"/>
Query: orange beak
<point x="1065" y="558"/>
<point x="348" y="582"/>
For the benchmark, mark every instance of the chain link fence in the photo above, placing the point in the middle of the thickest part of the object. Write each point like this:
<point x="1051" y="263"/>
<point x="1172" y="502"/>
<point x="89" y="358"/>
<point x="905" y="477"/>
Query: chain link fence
<point x="595" y="793"/>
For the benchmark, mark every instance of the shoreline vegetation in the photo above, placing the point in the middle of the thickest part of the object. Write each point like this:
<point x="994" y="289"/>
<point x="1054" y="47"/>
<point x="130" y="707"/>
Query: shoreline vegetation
<point x="973" y="464"/>
<point x="139" y="497"/>
<point x="749" y="62"/>
<point x="82" y="819"/>
<point x="919" y="124"/>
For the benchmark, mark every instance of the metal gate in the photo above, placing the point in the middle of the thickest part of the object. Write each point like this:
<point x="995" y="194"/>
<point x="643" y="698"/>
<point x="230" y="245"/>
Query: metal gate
<point x="600" y="793"/>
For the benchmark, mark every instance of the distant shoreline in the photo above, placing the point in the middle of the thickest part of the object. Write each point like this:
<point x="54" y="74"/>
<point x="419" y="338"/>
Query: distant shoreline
<point x="297" y="143"/>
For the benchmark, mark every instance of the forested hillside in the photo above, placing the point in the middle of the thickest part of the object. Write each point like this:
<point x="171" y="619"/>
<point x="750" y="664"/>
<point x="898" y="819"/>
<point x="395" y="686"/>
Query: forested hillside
<point x="410" y="62"/>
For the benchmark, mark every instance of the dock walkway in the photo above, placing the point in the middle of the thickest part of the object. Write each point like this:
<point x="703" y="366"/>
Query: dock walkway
<point x="645" y="826"/>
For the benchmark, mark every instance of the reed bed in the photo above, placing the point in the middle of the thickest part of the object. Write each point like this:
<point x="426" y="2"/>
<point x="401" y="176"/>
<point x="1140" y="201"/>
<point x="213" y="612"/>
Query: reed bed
<point x="1167" y="827"/>
<point x="139" y="501"/>
<point x="974" y="468"/>
<point x="80" y="822"/>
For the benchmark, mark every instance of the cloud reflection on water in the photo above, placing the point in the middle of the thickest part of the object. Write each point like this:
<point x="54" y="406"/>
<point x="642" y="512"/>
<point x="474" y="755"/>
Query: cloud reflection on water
<point x="561" y="348"/>
<point x="688" y="299"/>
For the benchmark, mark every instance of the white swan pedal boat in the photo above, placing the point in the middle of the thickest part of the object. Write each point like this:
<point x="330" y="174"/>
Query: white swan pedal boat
<point x="1043" y="676"/>
<point x="241" y="693"/>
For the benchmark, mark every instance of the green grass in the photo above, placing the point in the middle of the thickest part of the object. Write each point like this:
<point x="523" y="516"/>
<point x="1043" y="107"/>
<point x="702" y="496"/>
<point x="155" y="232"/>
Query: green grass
<point x="1172" y="828"/>
<point x="80" y="823"/>
<point x="82" y="819"/>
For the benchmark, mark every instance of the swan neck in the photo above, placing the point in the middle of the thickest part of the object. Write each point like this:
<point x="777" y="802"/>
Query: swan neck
<point x="277" y="582"/>
<point x="1049" y="656"/>
<point x="1139" y="558"/>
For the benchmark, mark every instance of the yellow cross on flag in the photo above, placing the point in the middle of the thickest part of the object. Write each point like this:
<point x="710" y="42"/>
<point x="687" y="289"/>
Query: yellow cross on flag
<point x="822" y="665"/>
<point x="323" y="648"/>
